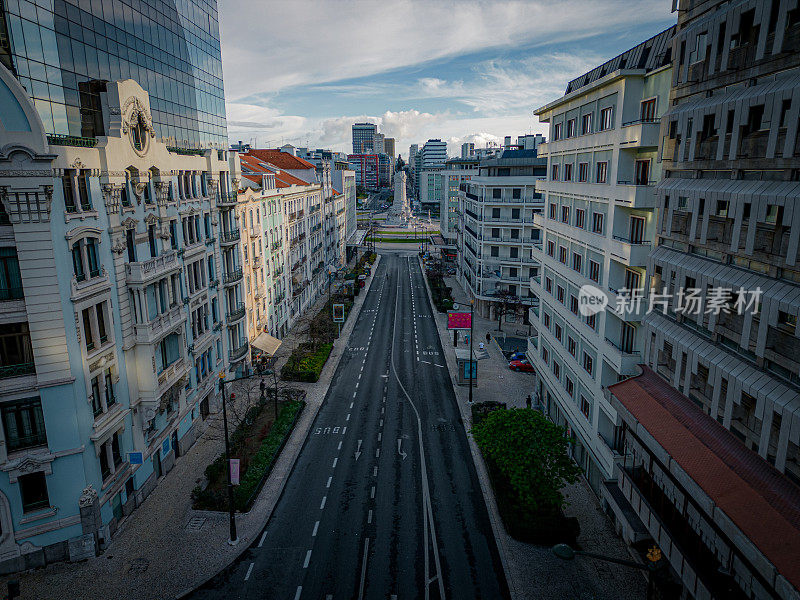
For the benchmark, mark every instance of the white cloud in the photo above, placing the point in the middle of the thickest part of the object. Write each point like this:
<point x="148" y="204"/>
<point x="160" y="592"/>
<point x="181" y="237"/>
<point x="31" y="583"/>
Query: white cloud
<point x="271" y="46"/>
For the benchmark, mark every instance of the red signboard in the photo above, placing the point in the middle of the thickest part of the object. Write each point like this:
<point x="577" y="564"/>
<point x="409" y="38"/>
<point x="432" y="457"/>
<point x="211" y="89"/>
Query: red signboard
<point x="458" y="320"/>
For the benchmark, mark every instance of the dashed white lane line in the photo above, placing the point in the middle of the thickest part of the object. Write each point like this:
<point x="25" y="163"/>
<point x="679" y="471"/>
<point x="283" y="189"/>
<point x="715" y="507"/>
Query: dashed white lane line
<point x="344" y="430"/>
<point x="379" y="436"/>
<point x="348" y="417"/>
<point x="335" y="460"/>
<point x="372" y="493"/>
<point x="339" y="447"/>
<point x="369" y="517"/>
<point x="261" y="541"/>
<point x="327" y="485"/>
<point x="355" y="394"/>
<point x="377" y="452"/>
<point x="316" y="526"/>
<point x="351" y="405"/>
<point x="249" y="570"/>
<point x="374" y="471"/>
<point x="322" y="504"/>
<point x="381" y="423"/>
<point x="308" y="558"/>
<point x="298" y="592"/>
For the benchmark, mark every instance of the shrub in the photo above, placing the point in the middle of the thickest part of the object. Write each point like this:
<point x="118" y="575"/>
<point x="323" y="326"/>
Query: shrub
<point x="305" y="364"/>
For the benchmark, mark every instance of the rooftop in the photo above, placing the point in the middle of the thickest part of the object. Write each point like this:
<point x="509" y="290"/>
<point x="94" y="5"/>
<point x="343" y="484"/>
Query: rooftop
<point x="282" y="160"/>
<point x="760" y="501"/>
<point x="650" y="55"/>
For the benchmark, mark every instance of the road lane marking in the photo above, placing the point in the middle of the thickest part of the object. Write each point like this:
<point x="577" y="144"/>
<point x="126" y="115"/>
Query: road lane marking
<point x="316" y="526"/>
<point x="372" y="493"/>
<point x="348" y="417"/>
<point x="329" y="482"/>
<point x="355" y="394"/>
<point x="363" y="570"/>
<point x="374" y="471"/>
<point x="381" y="423"/>
<point x="298" y="592"/>
<point x="261" y="542"/>
<point x="339" y="447"/>
<point x="343" y="430"/>
<point x="335" y="460"/>
<point x="369" y="517"/>
<point x="308" y="558"/>
<point x="249" y="570"/>
<point x="322" y="504"/>
<point x="377" y="452"/>
<point x="379" y="436"/>
<point x="358" y="450"/>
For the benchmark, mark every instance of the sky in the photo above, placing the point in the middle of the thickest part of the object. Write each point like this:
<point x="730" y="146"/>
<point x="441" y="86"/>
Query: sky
<point x="303" y="71"/>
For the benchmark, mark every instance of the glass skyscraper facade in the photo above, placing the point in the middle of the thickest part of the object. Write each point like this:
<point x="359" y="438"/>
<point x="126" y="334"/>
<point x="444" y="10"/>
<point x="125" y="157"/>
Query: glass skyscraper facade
<point x="63" y="52"/>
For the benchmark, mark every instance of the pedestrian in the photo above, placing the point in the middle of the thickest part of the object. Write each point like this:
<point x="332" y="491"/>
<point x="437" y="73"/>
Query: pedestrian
<point x="528" y="401"/>
<point x="480" y="346"/>
<point x="488" y="337"/>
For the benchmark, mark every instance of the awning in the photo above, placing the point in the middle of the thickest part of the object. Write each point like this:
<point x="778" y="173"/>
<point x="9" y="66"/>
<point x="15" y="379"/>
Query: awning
<point x="266" y="343"/>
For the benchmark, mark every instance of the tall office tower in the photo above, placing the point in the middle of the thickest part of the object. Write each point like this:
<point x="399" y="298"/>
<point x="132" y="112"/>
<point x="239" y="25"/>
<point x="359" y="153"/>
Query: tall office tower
<point x="64" y="53"/>
<point x="364" y="138"/>
<point x="120" y="297"/>
<point x="598" y="228"/>
<point x="467" y="150"/>
<point x="708" y="460"/>
<point x="388" y="146"/>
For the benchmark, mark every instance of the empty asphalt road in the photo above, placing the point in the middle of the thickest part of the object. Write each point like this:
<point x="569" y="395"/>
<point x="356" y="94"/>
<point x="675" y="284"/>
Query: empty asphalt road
<point x="383" y="501"/>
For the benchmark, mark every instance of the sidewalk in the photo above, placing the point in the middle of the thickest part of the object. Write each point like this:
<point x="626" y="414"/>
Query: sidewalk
<point x="533" y="573"/>
<point x="165" y="548"/>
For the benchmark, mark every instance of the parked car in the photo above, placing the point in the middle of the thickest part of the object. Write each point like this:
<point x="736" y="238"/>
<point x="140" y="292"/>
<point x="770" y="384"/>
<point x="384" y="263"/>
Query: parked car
<point x="518" y="356"/>
<point x="521" y="365"/>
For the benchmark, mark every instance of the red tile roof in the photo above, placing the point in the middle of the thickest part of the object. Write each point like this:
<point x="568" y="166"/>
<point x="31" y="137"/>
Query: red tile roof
<point x="282" y="178"/>
<point x="282" y="160"/>
<point x="763" y="503"/>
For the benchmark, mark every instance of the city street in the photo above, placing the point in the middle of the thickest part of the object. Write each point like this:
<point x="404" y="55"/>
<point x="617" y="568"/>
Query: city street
<point x="384" y="499"/>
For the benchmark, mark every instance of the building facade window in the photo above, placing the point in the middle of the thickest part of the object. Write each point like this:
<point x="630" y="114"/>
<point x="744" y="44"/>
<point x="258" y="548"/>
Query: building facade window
<point x="23" y="424"/>
<point x="33" y="491"/>
<point x="10" y="276"/>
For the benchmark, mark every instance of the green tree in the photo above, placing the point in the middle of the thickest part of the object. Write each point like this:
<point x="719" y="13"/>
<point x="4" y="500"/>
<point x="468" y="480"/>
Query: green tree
<point x="531" y="453"/>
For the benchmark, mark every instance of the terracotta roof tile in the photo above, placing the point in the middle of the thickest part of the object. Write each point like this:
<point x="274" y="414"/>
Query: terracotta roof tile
<point x="762" y="502"/>
<point x="282" y="160"/>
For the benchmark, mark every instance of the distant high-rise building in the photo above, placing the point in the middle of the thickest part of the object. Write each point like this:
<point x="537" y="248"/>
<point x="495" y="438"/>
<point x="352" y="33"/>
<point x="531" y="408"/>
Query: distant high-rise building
<point x="377" y="146"/>
<point x="388" y="146"/>
<point x="434" y="154"/>
<point x="467" y="150"/>
<point x="364" y="138"/>
<point x="174" y="56"/>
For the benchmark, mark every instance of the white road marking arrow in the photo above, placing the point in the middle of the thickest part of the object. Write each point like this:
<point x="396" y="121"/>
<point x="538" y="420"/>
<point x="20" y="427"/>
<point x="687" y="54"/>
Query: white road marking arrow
<point x="400" y="452"/>
<point x="358" y="451"/>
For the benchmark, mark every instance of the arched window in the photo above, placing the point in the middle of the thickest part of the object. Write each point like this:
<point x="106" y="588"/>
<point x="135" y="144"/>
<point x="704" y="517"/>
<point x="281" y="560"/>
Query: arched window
<point x="85" y="262"/>
<point x="139" y="133"/>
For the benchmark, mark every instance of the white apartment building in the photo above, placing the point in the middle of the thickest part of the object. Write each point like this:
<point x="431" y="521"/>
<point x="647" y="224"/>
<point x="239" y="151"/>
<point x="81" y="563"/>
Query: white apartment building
<point x="456" y="172"/>
<point x="598" y="228"/>
<point x="496" y="231"/>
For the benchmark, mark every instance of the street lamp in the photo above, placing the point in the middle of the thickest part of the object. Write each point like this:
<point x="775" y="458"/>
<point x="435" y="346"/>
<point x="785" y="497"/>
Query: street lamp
<point x="234" y="538"/>
<point x="566" y="552"/>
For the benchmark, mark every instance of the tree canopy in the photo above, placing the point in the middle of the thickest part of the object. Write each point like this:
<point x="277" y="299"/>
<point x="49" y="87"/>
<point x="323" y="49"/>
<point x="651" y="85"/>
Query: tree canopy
<point x="531" y="452"/>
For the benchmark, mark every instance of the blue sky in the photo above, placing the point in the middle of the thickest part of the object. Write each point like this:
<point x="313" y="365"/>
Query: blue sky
<point x="303" y="72"/>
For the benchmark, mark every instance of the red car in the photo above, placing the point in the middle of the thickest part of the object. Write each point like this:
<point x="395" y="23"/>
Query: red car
<point x="521" y="365"/>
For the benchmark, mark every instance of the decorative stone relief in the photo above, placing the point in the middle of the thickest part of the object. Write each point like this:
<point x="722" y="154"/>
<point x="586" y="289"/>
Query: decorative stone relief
<point x="88" y="496"/>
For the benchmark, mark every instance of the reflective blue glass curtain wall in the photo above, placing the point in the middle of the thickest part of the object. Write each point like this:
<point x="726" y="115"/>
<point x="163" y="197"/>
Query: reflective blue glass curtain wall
<point x="63" y="51"/>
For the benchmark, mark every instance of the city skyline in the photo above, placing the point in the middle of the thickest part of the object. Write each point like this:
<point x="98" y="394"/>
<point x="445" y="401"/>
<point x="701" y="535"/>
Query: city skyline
<point x="477" y="80"/>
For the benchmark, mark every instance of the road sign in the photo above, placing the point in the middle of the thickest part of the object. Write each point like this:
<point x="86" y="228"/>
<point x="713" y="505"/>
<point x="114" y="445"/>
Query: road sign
<point x="338" y="313"/>
<point x="135" y="458"/>
<point x="235" y="471"/>
<point x="458" y="320"/>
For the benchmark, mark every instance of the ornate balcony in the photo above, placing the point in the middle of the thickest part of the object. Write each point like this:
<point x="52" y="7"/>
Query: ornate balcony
<point x="238" y="352"/>
<point x="142" y="272"/>
<point x="227" y="199"/>
<point x="232" y="277"/>
<point x="237" y="313"/>
<point x="229" y="237"/>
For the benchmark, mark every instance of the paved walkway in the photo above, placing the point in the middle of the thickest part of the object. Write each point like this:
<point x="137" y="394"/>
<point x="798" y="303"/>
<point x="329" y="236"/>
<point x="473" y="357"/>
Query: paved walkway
<point x="165" y="548"/>
<point x="533" y="572"/>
